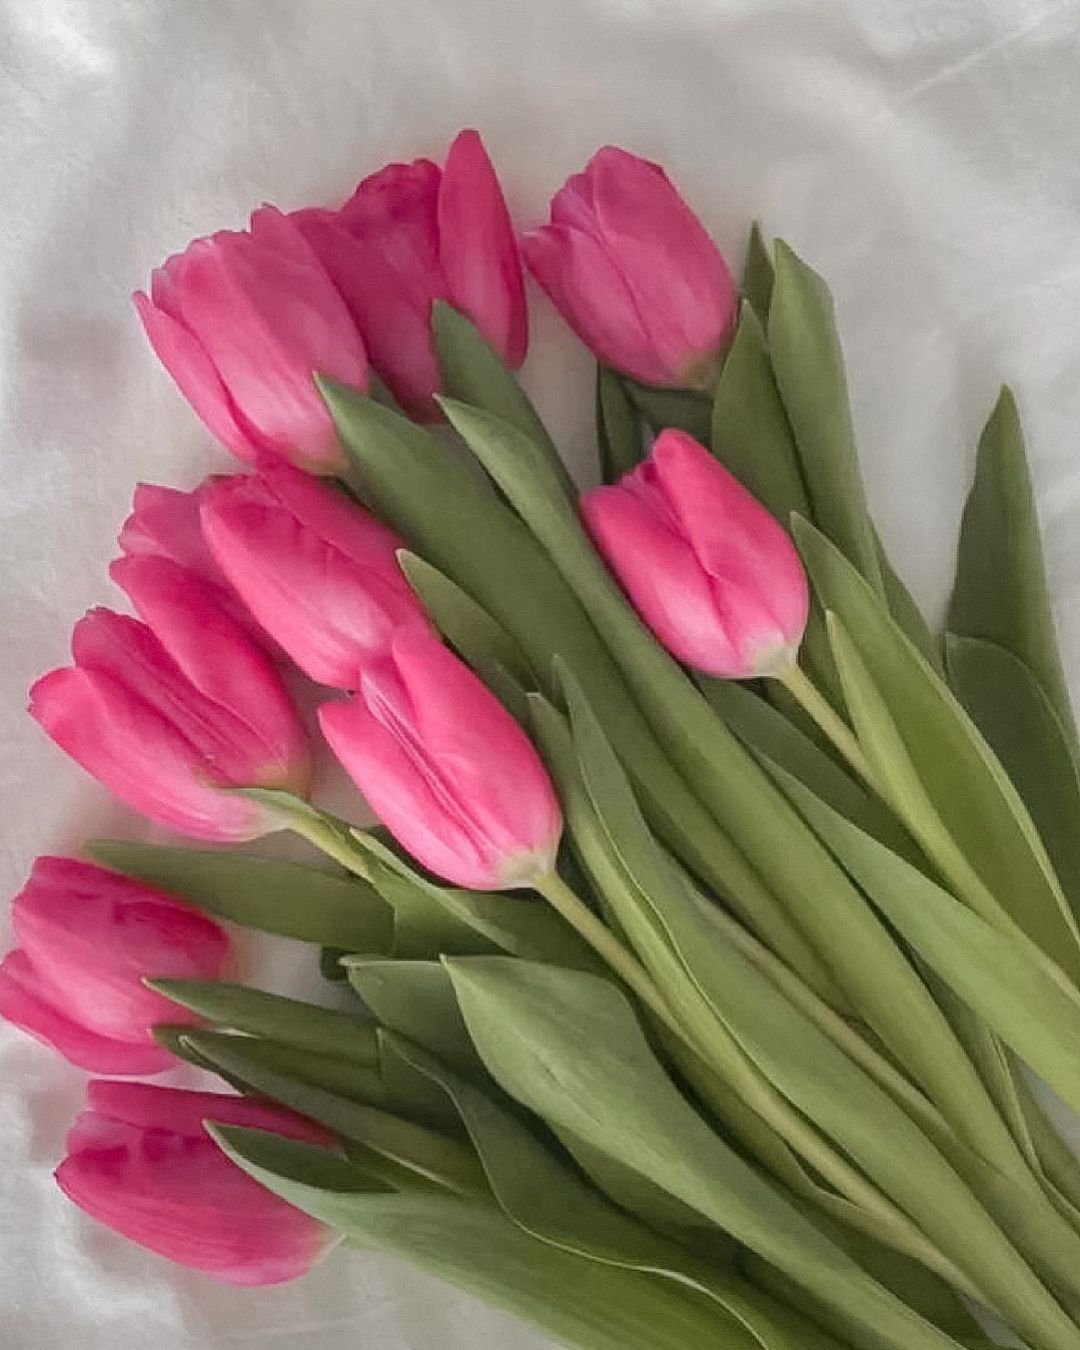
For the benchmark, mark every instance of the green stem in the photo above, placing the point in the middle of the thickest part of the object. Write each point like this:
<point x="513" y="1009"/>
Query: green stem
<point x="332" y="841"/>
<point x="606" y="945"/>
<point x="817" y="706"/>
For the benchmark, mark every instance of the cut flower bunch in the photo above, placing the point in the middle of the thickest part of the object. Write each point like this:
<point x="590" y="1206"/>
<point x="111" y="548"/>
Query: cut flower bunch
<point x="719" y="912"/>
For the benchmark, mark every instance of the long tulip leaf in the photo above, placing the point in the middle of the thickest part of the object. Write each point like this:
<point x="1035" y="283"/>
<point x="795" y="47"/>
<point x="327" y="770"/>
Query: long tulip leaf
<point x="619" y="435"/>
<point x="279" y="897"/>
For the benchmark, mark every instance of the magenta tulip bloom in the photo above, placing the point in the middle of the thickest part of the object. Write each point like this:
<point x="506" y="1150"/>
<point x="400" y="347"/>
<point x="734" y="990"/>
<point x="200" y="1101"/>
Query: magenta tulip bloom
<point x="317" y="571"/>
<point x="140" y="1162"/>
<point x="412" y="234"/>
<point x="633" y="272"/>
<point x="446" y="768"/>
<point x="711" y="572"/>
<point x="87" y="939"/>
<point x="167" y="711"/>
<point x="242" y="320"/>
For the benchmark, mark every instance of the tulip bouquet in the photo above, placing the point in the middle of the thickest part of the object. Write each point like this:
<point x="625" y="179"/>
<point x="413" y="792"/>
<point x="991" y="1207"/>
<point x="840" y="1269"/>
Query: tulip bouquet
<point x="718" y="912"/>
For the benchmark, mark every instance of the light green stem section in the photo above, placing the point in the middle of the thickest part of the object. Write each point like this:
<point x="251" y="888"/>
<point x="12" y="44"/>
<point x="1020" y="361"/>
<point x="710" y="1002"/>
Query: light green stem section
<point x="817" y="706"/>
<point x="329" y="840"/>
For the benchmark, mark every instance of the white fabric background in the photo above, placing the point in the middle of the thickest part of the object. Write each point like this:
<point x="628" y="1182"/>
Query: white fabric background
<point x="922" y="153"/>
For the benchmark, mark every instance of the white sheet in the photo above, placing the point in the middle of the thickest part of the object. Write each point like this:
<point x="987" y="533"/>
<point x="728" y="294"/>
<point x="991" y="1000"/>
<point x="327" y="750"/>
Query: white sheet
<point x="923" y="153"/>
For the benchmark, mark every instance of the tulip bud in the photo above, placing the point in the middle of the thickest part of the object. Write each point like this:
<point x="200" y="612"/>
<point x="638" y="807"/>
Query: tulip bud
<point x="446" y="768"/>
<point x="412" y="234"/>
<point x="711" y="572"/>
<point x="164" y="523"/>
<point x="633" y="272"/>
<point x="167" y="711"/>
<point x="315" y="569"/>
<point x="140" y="1162"/>
<point x="87" y="940"/>
<point x="242" y="320"/>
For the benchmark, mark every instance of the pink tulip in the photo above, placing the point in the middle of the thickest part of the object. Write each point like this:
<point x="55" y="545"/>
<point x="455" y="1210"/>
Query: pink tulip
<point x="140" y="1162"/>
<point x="87" y="939"/>
<point x="164" y="523"/>
<point x="711" y="572"/>
<point x="167" y="711"/>
<point x="412" y="234"/>
<point x="315" y="569"/>
<point x="446" y="768"/>
<point x="242" y="320"/>
<point x="633" y="272"/>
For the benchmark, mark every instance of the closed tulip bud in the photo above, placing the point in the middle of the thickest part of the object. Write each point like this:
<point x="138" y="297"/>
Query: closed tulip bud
<point x="412" y="234"/>
<point x="711" y="572"/>
<point x="633" y="272"/>
<point x="315" y="569"/>
<point x="169" y="710"/>
<point x="140" y="1161"/>
<point x="87" y="939"/>
<point x="164" y="523"/>
<point x="242" y="320"/>
<point x="446" y="768"/>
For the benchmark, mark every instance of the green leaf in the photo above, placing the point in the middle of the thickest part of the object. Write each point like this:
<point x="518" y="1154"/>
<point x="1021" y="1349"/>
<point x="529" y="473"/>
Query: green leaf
<point x="1002" y="976"/>
<point x="618" y="427"/>
<point x="817" y="1077"/>
<point x="980" y="809"/>
<point x="547" y="1199"/>
<point x="287" y="1021"/>
<point x="411" y="1093"/>
<point x="342" y="1077"/>
<point x="906" y="612"/>
<point x="568" y="1046"/>
<point x="278" y="897"/>
<point x="687" y="409"/>
<point x="809" y="368"/>
<point x="1013" y="712"/>
<point x="773" y="737"/>
<point x="444" y="920"/>
<point x="431" y="1155"/>
<point x="474" y="1246"/>
<point x="1000" y="592"/>
<point x="467" y="626"/>
<point x="758" y="273"/>
<point x="727" y="780"/>
<point x="751" y="435"/>
<point x="473" y="371"/>
<point x="416" y="999"/>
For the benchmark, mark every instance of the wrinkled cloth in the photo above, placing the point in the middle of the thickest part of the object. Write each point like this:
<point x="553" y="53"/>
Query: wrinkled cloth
<point x="920" y="153"/>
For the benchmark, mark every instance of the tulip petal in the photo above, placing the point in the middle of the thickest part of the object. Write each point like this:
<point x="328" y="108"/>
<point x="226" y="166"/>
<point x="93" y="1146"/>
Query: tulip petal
<point x="329" y="608"/>
<point x="738" y="542"/>
<point x="152" y="1107"/>
<point x="184" y="357"/>
<point x="590" y="292"/>
<point x="478" y="251"/>
<point x="129" y="747"/>
<point x="661" y="575"/>
<point x="93" y="936"/>
<point x="24" y="1002"/>
<point x="266" y="740"/>
<point x="183" y="1199"/>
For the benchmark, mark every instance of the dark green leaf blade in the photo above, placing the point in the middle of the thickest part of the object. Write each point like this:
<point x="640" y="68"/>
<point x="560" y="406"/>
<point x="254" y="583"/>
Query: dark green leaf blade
<point x="1000" y="591"/>
<point x="277" y="897"/>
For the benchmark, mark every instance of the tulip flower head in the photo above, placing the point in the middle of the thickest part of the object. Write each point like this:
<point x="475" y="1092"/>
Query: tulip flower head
<point x="319" y="573"/>
<point x="140" y="1161"/>
<point x="164" y="523"/>
<point x="169" y="709"/>
<point x="412" y="234"/>
<point x="446" y="768"/>
<point x="710" y="571"/>
<point x="634" y="273"/>
<point x="242" y="320"/>
<point x="87" y="939"/>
